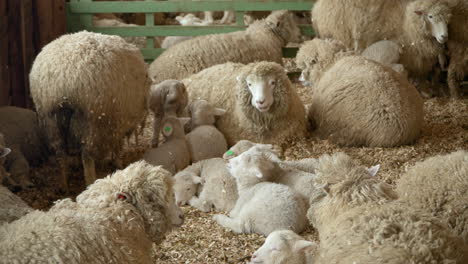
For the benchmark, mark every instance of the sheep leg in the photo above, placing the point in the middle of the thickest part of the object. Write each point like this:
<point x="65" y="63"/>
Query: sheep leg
<point x="19" y="170"/>
<point x="88" y="166"/>
<point x="452" y="81"/>
<point x="235" y="224"/>
<point x="227" y="17"/>
<point x="156" y="130"/>
<point x="209" y="16"/>
<point x="200" y="204"/>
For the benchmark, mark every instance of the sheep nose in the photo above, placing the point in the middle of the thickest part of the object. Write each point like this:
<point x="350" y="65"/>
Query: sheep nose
<point x="260" y="102"/>
<point x="254" y="256"/>
<point x="182" y="217"/>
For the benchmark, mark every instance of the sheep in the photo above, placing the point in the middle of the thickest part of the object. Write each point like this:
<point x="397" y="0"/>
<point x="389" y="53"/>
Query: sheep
<point x="140" y="42"/>
<point x="419" y="27"/>
<point x="166" y="98"/>
<point x="386" y="52"/>
<point x="97" y="96"/>
<point x="11" y="206"/>
<point x="284" y="247"/>
<point x="457" y="48"/>
<point x="173" y="155"/>
<point x="439" y="185"/>
<point x="259" y="99"/>
<point x="206" y="185"/>
<point x="359" y="102"/>
<point x="27" y="142"/>
<point x="360" y="220"/>
<point x="4" y="151"/>
<point x="263" y="40"/>
<point x="115" y="220"/>
<point x="262" y="207"/>
<point x="205" y="141"/>
<point x="187" y="20"/>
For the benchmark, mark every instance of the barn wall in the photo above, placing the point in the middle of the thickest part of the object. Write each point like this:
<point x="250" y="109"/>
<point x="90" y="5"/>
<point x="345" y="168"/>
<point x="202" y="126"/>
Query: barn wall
<point x="25" y="27"/>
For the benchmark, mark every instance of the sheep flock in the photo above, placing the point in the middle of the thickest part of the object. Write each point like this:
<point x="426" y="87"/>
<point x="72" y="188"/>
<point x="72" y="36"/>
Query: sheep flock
<point x="221" y="151"/>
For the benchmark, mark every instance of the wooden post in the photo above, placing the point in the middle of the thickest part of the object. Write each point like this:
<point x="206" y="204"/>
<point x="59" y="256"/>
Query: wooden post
<point x="4" y="69"/>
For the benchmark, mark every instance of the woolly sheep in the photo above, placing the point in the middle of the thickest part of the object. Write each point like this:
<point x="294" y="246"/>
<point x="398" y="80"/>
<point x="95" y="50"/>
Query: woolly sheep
<point x="11" y="206"/>
<point x="414" y="25"/>
<point x="187" y="20"/>
<point x="262" y="207"/>
<point x="283" y="247"/>
<point x="260" y="101"/>
<point x="27" y="142"/>
<point x="4" y="151"/>
<point x="205" y="141"/>
<point x="457" y="47"/>
<point x="93" y="75"/>
<point x="387" y="53"/>
<point x="439" y="185"/>
<point x="140" y="42"/>
<point x="263" y="40"/>
<point x="173" y="155"/>
<point x="166" y="98"/>
<point x="359" y="102"/>
<point x="116" y="220"/>
<point x="205" y="185"/>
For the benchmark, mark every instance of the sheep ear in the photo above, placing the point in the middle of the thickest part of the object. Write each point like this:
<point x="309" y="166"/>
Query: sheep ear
<point x="196" y="179"/>
<point x="219" y="111"/>
<point x="304" y="245"/>
<point x="373" y="170"/>
<point x="418" y="12"/>
<point x="5" y="152"/>
<point x="167" y="129"/>
<point x="123" y="196"/>
<point x="184" y="120"/>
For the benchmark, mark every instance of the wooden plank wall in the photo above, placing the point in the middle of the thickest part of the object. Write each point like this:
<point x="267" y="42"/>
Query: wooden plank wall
<point x="25" y="27"/>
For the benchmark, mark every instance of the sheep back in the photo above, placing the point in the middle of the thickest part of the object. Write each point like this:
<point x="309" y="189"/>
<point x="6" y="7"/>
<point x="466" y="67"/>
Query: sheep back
<point x="358" y="102"/>
<point x="206" y="142"/>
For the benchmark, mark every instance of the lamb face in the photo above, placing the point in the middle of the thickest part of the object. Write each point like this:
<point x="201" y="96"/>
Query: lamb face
<point x="203" y="113"/>
<point x="185" y="186"/>
<point x="252" y="162"/>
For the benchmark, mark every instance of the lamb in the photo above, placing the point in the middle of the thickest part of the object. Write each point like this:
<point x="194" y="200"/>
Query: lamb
<point x="263" y="40"/>
<point x="284" y="247"/>
<point x="206" y="185"/>
<point x="439" y="185"/>
<point x="359" y="102"/>
<point x="260" y="102"/>
<point x="166" y="98"/>
<point x="93" y="75"/>
<point x="116" y="220"/>
<point x="205" y="141"/>
<point x="386" y="52"/>
<point x="11" y="206"/>
<point x="173" y="155"/>
<point x="187" y="20"/>
<point x="457" y="48"/>
<point x="262" y="206"/>
<point x="140" y="42"/>
<point x="27" y="142"/>
<point x="419" y="27"/>
<point x="359" y="220"/>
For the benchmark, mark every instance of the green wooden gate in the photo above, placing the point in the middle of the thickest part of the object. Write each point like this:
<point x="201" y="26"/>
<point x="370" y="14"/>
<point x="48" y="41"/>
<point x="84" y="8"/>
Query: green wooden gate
<point x="80" y="12"/>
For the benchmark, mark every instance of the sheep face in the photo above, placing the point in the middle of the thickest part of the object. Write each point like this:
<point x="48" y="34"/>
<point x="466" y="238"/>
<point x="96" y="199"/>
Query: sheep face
<point x="261" y="88"/>
<point x="281" y="247"/>
<point x="141" y="188"/>
<point x="171" y="95"/>
<point x="185" y="186"/>
<point x="252" y="162"/>
<point x="432" y="18"/>
<point x="203" y="113"/>
<point x="284" y="25"/>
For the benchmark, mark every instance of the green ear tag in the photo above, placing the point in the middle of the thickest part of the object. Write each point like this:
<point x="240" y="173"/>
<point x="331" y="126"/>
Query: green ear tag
<point x="167" y="129"/>
<point x="230" y="152"/>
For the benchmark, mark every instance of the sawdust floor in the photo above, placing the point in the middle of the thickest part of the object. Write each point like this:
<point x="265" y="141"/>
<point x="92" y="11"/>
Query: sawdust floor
<point x="200" y="240"/>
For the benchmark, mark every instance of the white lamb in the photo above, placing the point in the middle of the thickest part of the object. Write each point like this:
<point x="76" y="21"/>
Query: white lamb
<point x="284" y="247"/>
<point x="262" y="207"/>
<point x="116" y="220"/>
<point x="187" y="20"/>
<point x="206" y="185"/>
<point x="386" y="52"/>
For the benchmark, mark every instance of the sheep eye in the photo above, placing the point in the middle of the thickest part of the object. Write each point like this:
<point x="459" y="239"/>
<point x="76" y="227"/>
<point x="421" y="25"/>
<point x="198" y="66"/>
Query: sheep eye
<point x="272" y="82"/>
<point x="249" y="84"/>
<point x="188" y="189"/>
<point x="430" y="16"/>
<point x="314" y="61"/>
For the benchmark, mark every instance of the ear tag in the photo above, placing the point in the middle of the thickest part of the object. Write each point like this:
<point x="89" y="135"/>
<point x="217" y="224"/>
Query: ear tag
<point x="167" y="129"/>
<point x="229" y="152"/>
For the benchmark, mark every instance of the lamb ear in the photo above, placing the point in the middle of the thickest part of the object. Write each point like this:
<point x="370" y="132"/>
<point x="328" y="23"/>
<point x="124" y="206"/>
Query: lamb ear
<point x="184" y="120"/>
<point x="196" y="179"/>
<point x="373" y="170"/>
<point x="123" y="196"/>
<point x="167" y="129"/>
<point x="219" y="111"/>
<point x="4" y="152"/>
<point x="418" y="12"/>
<point x="304" y="245"/>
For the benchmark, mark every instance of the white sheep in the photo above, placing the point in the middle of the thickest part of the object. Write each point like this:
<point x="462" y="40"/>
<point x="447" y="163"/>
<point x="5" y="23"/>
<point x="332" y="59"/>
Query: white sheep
<point x="457" y="47"/>
<point x="439" y="185"/>
<point x="187" y="20"/>
<point x="387" y="53"/>
<point x="284" y="247"/>
<point x="27" y="142"/>
<point x="263" y="40"/>
<point x="262" y="206"/>
<point x="11" y="206"/>
<point x="414" y="25"/>
<point x="356" y="101"/>
<point x="140" y="42"/>
<point x="359" y="220"/>
<point x="97" y="96"/>
<point x="166" y="98"/>
<point x="116" y="220"/>
<point x="173" y="155"/>
<point x="206" y="185"/>
<point x="205" y="141"/>
<point x="260" y="101"/>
